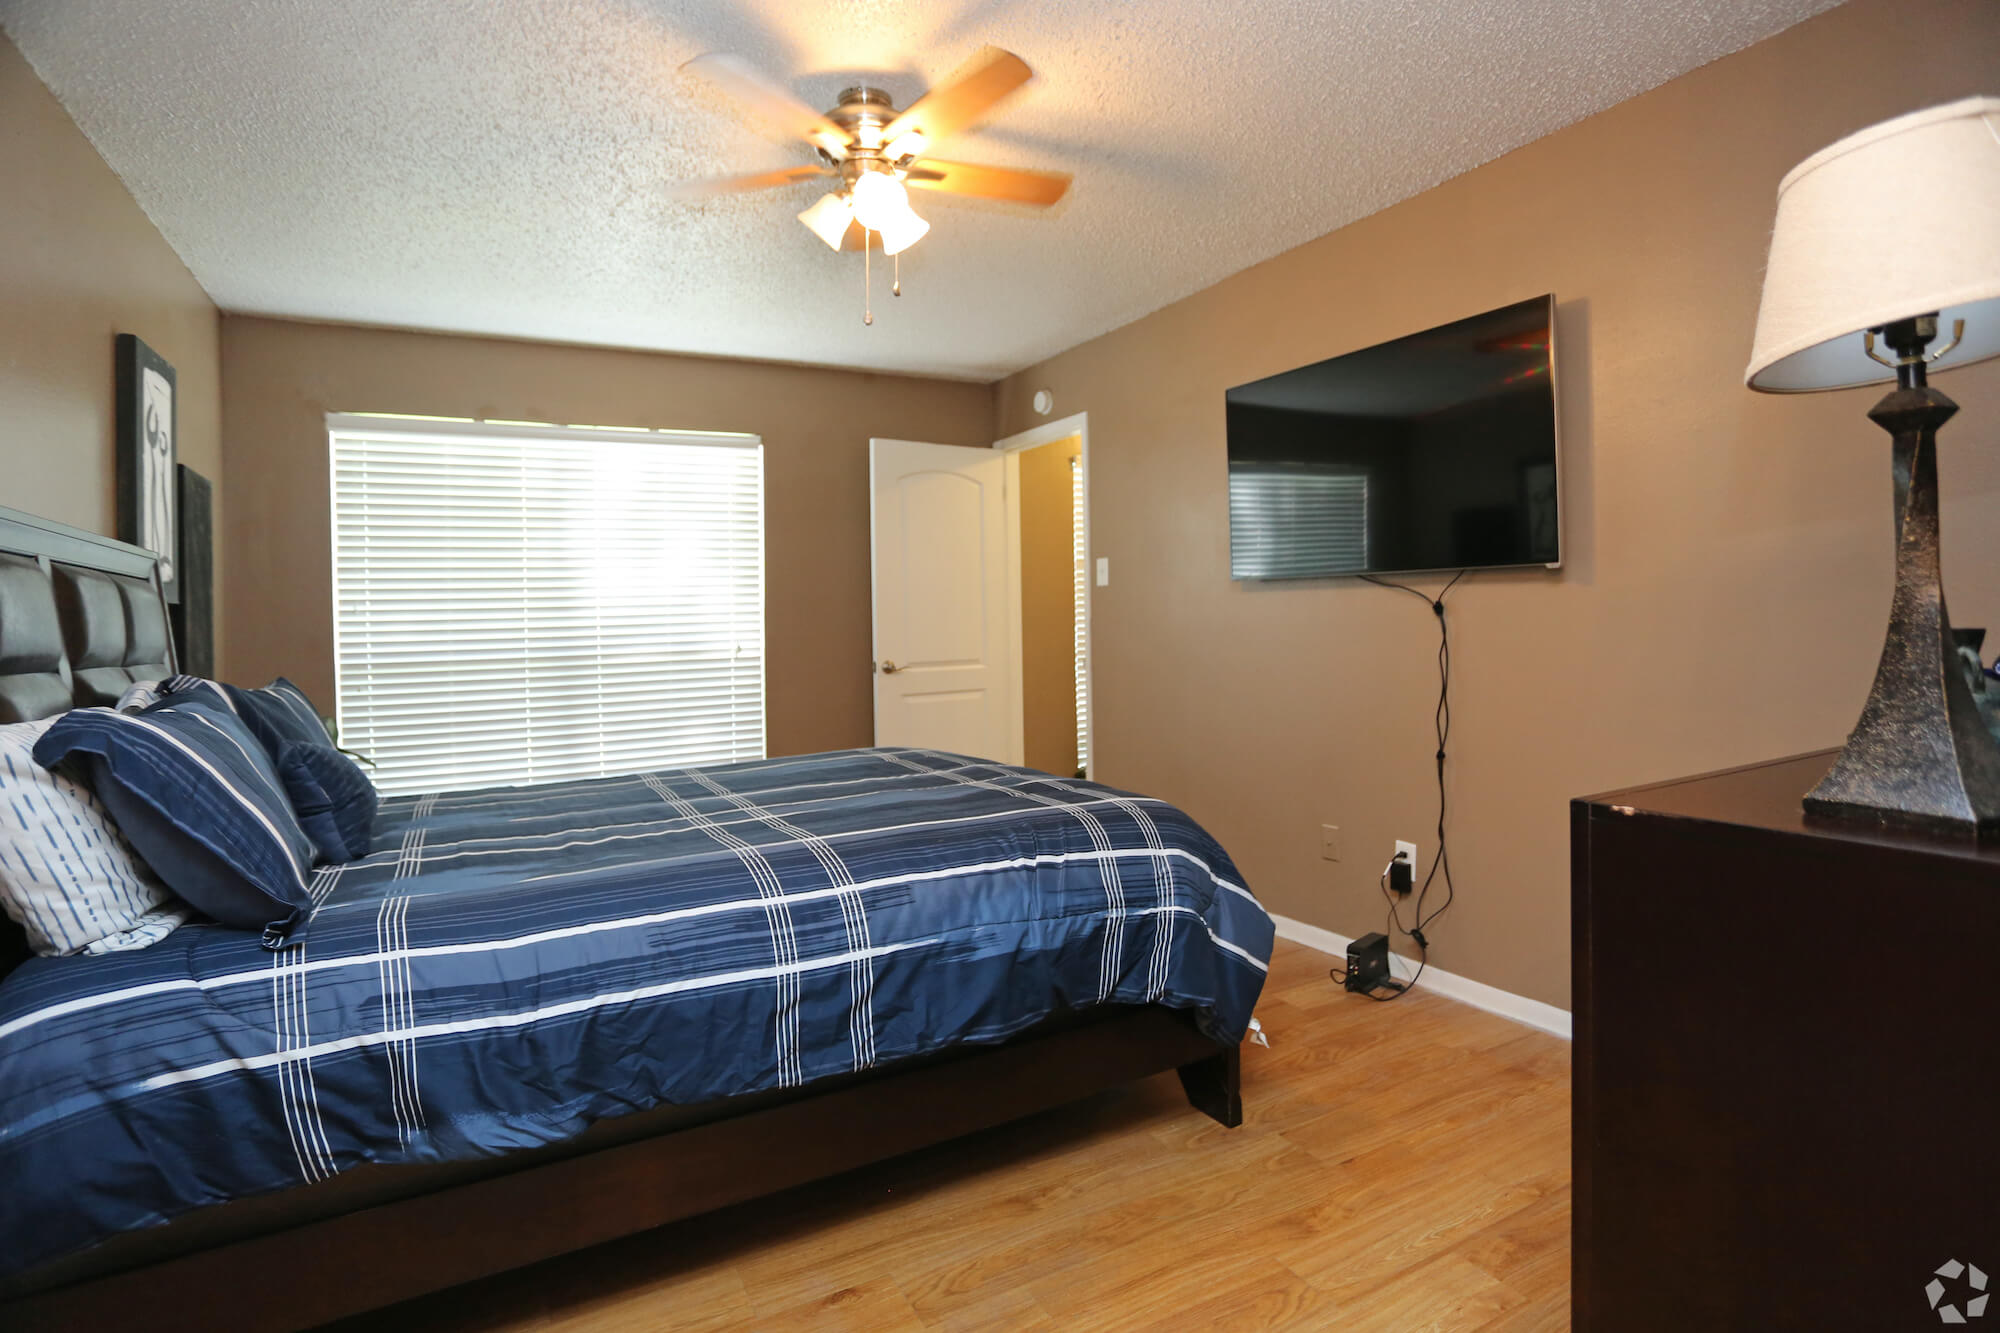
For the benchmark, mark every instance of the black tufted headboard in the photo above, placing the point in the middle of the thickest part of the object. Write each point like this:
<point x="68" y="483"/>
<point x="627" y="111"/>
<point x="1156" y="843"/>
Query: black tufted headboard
<point x="81" y="618"/>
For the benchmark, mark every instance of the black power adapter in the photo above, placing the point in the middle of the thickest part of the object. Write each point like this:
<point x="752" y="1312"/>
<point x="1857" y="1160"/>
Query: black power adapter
<point x="1402" y="876"/>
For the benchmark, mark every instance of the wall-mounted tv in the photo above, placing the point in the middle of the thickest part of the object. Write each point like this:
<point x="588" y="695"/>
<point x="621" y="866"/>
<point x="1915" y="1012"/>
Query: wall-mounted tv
<point x="1433" y="452"/>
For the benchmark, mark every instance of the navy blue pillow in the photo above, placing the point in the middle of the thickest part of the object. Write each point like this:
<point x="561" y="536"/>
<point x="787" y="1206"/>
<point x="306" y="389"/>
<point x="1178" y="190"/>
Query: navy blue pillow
<point x="194" y="793"/>
<point x="278" y="714"/>
<point x="332" y="797"/>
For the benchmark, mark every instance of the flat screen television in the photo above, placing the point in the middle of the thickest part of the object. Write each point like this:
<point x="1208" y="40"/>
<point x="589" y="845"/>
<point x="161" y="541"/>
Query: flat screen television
<point x="1434" y="452"/>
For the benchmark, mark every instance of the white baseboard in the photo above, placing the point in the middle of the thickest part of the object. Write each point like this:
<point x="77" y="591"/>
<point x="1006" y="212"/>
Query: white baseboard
<point x="1478" y="994"/>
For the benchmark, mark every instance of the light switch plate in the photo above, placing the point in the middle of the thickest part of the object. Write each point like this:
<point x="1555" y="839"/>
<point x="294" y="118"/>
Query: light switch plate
<point x="1103" y="571"/>
<point x="1329" y="841"/>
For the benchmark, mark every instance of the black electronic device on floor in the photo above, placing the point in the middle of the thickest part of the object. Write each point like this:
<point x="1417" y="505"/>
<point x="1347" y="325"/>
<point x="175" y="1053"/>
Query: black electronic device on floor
<point x="1368" y="964"/>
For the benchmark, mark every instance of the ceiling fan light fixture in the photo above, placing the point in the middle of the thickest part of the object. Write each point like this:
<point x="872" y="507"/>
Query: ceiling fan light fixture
<point x="830" y="218"/>
<point x="870" y="147"/>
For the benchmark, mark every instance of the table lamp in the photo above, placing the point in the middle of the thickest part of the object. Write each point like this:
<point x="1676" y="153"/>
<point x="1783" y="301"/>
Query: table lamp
<point x="1885" y="244"/>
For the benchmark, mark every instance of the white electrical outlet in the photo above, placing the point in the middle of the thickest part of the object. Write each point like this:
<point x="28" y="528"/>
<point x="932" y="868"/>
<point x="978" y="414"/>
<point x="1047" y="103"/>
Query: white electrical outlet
<point x="1329" y="841"/>
<point x="1407" y="850"/>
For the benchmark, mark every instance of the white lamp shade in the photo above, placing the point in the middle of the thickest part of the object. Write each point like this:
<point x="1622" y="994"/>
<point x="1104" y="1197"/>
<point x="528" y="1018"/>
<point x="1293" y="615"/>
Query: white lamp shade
<point x="901" y="231"/>
<point x="879" y="199"/>
<point x="829" y="218"/>
<point x="1901" y="219"/>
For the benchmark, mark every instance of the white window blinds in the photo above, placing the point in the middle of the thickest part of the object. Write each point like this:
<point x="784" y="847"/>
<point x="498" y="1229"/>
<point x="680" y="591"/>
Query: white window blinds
<point x="1291" y="522"/>
<point x="1080" y="576"/>
<point x="530" y="604"/>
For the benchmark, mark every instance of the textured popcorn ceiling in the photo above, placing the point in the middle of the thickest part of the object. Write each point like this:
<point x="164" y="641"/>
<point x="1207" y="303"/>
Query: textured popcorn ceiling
<point x="496" y="166"/>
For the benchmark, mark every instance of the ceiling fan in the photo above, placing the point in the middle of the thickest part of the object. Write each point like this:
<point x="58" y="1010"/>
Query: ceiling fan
<point x="874" y="151"/>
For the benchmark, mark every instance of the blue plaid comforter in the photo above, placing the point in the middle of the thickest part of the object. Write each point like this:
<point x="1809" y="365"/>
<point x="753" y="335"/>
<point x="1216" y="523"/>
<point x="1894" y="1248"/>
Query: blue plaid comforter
<point x="509" y="966"/>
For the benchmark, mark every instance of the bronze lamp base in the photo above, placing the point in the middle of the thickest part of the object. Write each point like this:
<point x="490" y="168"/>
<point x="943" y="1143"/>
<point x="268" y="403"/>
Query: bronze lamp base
<point x="1921" y="755"/>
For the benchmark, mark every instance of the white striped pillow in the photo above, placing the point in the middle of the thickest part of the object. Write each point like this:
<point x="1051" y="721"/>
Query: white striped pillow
<point x="67" y="875"/>
<point x="141" y="696"/>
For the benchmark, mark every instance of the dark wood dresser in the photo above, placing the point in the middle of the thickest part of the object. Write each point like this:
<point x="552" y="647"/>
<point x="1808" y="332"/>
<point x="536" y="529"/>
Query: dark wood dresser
<point x="1787" y="1063"/>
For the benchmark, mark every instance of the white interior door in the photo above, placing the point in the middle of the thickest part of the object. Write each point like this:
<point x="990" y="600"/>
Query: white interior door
<point x="944" y="640"/>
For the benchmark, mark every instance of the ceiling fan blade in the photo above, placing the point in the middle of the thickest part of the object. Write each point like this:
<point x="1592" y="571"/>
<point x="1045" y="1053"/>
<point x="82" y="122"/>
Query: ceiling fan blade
<point x="1040" y="188"/>
<point x="762" y="180"/>
<point x="976" y="87"/>
<point x="770" y="103"/>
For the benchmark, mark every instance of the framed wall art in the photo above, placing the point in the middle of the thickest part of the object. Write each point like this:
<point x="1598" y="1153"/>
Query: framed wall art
<point x="147" y="482"/>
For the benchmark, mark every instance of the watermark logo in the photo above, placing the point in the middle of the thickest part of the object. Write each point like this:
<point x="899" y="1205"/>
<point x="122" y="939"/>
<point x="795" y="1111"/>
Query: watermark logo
<point x="1949" y="1311"/>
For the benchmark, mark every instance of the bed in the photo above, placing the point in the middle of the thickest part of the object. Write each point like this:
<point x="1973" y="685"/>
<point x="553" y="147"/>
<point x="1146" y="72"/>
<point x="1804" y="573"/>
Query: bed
<point x="534" y="1019"/>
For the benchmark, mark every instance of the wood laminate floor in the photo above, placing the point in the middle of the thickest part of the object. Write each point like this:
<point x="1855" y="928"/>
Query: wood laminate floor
<point x="1400" y="1167"/>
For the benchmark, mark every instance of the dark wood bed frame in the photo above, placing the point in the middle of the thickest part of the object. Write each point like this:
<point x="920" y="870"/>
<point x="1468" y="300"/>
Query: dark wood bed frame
<point x="376" y="1235"/>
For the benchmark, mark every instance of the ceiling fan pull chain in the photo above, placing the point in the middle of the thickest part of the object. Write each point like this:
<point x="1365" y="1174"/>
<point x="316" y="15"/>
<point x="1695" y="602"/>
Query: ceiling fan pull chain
<point x="867" y="281"/>
<point x="896" y="287"/>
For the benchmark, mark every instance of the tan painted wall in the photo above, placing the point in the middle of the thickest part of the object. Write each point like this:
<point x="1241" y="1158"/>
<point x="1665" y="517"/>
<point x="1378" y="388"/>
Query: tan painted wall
<point x="281" y="378"/>
<point x="1048" y="607"/>
<point x="1728" y="553"/>
<point x="79" y="264"/>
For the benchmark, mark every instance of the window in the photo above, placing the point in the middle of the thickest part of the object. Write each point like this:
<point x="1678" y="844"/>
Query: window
<point x="1080" y="556"/>
<point x="529" y="604"/>
<point x="1289" y="521"/>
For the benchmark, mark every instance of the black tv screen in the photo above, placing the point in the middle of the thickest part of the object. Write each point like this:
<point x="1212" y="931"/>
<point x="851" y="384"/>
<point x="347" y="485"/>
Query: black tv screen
<point x="1436" y="451"/>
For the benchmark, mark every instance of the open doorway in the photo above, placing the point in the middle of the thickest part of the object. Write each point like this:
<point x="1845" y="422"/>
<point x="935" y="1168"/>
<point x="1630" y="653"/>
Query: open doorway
<point x="1048" y="473"/>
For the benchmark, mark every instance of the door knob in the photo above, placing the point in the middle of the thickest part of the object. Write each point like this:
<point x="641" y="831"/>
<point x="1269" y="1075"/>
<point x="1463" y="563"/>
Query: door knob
<point x="887" y="668"/>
